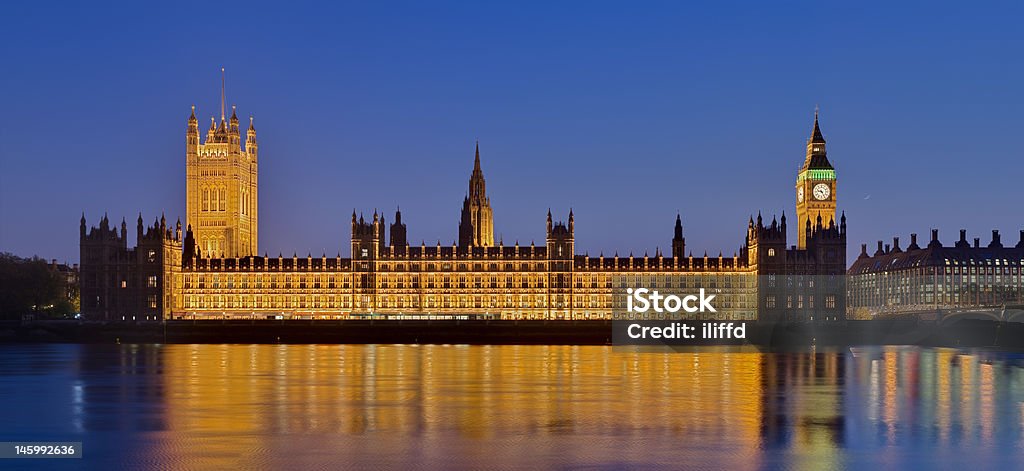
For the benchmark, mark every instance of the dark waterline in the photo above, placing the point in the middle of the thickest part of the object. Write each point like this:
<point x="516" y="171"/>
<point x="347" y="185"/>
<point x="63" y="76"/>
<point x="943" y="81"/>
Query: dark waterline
<point x="430" y="407"/>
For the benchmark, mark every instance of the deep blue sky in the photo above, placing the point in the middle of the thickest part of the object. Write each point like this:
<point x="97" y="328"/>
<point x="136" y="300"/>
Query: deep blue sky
<point x="626" y="113"/>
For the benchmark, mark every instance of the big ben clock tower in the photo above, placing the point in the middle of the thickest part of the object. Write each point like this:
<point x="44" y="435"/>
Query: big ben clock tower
<point x="815" y="186"/>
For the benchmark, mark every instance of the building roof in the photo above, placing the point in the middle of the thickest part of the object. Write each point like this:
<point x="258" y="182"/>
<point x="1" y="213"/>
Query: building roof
<point x="935" y="255"/>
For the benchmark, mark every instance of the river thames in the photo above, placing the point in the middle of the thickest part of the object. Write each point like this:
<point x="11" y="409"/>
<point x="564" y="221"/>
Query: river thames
<point x="538" y="407"/>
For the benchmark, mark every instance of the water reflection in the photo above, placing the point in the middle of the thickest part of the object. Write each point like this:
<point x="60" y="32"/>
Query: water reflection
<point x="255" y="406"/>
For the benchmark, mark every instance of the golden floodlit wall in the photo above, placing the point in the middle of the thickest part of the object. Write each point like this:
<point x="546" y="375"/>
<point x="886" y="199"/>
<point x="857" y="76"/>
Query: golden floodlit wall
<point x="222" y="187"/>
<point x="445" y="287"/>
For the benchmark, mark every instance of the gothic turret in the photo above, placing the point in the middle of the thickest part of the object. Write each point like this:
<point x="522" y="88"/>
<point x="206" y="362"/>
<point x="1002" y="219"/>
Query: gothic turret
<point x="189" y="252"/>
<point x="192" y="134"/>
<point x="367" y="237"/>
<point x="212" y="130"/>
<point x="234" y="136"/>
<point x="476" y="224"/>
<point x="398" y="234"/>
<point x="250" y="139"/>
<point x="678" y="241"/>
<point x="560" y="239"/>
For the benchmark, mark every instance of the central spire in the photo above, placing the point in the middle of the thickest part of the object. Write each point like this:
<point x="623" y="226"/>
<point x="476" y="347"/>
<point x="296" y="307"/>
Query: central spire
<point x="476" y="226"/>
<point x="477" y="184"/>
<point x="476" y="162"/>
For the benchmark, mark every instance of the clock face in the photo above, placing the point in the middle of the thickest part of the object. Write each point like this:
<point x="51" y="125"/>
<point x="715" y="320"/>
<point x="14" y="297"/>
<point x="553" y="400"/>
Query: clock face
<point x="821" y="191"/>
<point x="800" y="195"/>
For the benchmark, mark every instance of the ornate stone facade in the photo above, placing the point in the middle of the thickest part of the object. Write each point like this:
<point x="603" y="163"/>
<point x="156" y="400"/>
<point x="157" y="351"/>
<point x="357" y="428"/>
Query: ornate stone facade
<point x="216" y="273"/>
<point x="222" y="187"/>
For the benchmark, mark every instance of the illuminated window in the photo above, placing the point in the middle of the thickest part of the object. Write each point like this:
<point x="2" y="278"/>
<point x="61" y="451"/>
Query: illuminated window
<point x="771" y="252"/>
<point x="151" y="281"/>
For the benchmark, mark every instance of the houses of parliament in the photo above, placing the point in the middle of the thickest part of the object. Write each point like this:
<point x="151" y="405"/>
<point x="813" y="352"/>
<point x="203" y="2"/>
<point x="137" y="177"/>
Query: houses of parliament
<point x="210" y="268"/>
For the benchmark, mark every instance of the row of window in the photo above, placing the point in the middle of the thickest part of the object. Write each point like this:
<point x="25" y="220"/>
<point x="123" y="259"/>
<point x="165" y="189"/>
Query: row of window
<point x="797" y="302"/>
<point x="214" y="199"/>
<point x="384" y="302"/>
<point x="96" y="302"/>
<point x="949" y="282"/>
<point x="430" y="281"/>
<point x="213" y="245"/>
<point x="491" y="302"/>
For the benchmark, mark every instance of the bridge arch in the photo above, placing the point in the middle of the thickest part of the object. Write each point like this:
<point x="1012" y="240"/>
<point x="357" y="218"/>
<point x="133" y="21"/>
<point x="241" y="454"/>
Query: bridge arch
<point x="1014" y="315"/>
<point x="983" y="315"/>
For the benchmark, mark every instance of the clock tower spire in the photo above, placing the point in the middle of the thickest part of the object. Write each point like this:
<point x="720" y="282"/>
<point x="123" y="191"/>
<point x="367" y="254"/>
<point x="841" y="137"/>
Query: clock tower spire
<point x="815" y="184"/>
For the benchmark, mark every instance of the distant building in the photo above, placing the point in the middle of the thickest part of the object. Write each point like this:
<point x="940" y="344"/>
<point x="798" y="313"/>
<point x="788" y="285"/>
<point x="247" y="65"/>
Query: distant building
<point x="69" y="277"/>
<point x="919" y="280"/>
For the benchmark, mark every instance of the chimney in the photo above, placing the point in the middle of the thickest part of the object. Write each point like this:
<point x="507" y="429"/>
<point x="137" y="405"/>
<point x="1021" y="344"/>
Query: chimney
<point x="896" y="244"/>
<point x="879" y="251"/>
<point x="913" y="242"/>
<point x="995" y="244"/>
<point x="1021" y="243"/>
<point x="887" y="248"/>
<point x="863" y="250"/>
<point x="977" y="242"/>
<point x="962" y="243"/>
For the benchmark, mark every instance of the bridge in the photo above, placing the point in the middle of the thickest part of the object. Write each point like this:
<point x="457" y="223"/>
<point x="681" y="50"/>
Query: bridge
<point x="950" y="315"/>
<point x="1005" y="313"/>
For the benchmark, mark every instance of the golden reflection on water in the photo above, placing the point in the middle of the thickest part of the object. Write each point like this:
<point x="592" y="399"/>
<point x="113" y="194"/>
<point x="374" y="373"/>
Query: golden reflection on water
<point x="330" y="406"/>
<point x="944" y="362"/>
<point x="233" y="398"/>
<point x="514" y="404"/>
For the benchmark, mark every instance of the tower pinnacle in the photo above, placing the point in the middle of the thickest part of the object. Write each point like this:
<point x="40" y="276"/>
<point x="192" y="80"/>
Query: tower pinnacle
<point x="476" y="161"/>
<point x="816" y="136"/>
<point x="223" y="82"/>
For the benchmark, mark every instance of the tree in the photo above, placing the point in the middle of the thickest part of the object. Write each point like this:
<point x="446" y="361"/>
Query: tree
<point x="31" y="286"/>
